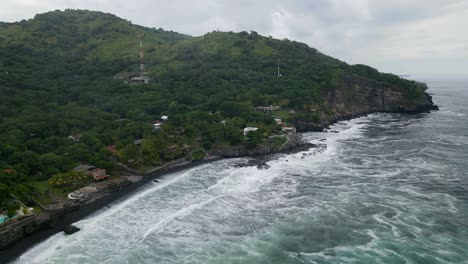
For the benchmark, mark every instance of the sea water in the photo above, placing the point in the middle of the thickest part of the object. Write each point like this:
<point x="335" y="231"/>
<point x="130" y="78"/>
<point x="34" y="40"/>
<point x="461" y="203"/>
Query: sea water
<point x="387" y="188"/>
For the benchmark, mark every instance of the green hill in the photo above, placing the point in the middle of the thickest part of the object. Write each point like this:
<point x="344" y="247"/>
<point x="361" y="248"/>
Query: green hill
<point x="62" y="73"/>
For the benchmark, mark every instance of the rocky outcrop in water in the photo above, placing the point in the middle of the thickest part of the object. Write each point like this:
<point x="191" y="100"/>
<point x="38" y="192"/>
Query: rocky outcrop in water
<point x="69" y="230"/>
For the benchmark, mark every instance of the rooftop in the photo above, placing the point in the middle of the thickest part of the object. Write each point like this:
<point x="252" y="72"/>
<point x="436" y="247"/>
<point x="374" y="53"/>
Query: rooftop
<point x="83" y="167"/>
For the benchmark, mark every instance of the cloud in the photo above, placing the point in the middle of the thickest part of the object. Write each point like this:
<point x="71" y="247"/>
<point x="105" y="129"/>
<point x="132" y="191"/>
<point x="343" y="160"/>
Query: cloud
<point x="418" y="36"/>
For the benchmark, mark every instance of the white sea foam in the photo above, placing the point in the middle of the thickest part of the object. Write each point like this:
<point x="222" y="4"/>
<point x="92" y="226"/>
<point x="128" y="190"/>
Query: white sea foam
<point x="182" y="212"/>
<point x="218" y="212"/>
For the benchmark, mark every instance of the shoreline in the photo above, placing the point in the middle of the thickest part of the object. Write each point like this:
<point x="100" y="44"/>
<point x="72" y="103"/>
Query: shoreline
<point x="69" y="217"/>
<point x="12" y="253"/>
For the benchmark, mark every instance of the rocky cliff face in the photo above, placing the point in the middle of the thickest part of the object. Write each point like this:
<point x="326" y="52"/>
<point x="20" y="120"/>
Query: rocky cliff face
<point x="359" y="96"/>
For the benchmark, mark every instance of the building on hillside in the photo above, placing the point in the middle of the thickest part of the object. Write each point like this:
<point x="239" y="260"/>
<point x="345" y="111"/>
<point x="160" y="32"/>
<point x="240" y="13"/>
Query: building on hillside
<point x="112" y="149"/>
<point x="164" y="118"/>
<point x="96" y="173"/>
<point x="157" y="124"/>
<point x="270" y="108"/>
<point x="173" y="148"/>
<point x="9" y="171"/>
<point x="292" y="112"/>
<point x="278" y="121"/>
<point x="289" y="130"/>
<point x="141" y="79"/>
<point x="84" y="168"/>
<point x="249" y="129"/>
<point x="75" y="137"/>
<point x="138" y="141"/>
<point x="99" y="174"/>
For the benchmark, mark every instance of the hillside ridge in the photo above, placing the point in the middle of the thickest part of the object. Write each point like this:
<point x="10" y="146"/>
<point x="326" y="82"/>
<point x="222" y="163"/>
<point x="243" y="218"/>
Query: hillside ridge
<point x="66" y="97"/>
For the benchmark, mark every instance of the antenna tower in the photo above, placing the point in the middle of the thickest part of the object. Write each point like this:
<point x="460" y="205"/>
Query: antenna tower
<point x="142" y="57"/>
<point x="279" y="74"/>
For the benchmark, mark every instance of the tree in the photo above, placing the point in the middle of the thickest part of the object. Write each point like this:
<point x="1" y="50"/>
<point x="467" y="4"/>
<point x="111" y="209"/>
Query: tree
<point x="69" y="178"/>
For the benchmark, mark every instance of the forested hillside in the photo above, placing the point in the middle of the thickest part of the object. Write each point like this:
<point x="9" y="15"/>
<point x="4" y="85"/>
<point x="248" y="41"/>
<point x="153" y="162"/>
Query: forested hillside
<point x="64" y="74"/>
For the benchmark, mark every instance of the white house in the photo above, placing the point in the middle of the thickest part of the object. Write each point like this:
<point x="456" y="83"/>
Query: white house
<point x="157" y="124"/>
<point x="249" y="129"/>
<point x="289" y="130"/>
<point x="278" y="121"/>
<point x="164" y="118"/>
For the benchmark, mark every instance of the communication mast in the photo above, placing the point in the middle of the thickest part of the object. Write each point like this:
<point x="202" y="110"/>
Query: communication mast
<point x="279" y="73"/>
<point x="142" y="57"/>
<point x="142" y="78"/>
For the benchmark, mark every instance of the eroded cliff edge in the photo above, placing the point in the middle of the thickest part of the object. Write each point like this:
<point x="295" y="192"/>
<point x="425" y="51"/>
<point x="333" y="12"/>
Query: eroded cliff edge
<point x="358" y="96"/>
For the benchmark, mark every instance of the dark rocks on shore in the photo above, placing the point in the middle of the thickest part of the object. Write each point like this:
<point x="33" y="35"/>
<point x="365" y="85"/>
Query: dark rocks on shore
<point x="71" y="229"/>
<point x="371" y="99"/>
<point x="260" y="164"/>
<point x="294" y="143"/>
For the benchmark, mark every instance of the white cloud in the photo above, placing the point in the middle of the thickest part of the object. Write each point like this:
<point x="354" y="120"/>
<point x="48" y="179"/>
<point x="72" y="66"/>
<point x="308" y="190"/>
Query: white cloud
<point x="354" y="10"/>
<point x="279" y="19"/>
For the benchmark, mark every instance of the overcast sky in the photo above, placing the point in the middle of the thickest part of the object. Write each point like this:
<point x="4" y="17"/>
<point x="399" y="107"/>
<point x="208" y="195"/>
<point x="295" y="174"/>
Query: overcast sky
<point x="399" y="36"/>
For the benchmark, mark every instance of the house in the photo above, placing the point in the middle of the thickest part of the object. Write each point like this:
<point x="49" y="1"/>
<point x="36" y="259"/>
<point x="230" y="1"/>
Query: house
<point x="96" y="173"/>
<point x="249" y="129"/>
<point x="112" y="149"/>
<point x="75" y="137"/>
<point x="9" y="171"/>
<point x="138" y="141"/>
<point x="173" y="148"/>
<point x="270" y="108"/>
<point x="140" y="79"/>
<point x="289" y="130"/>
<point x="84" y="168"/>
<point x="157" y="124"/>
<point x="278" y="121"/>
<point x="164" y="118"/>
<point x="292" y="112"/>
<point x="99" y="174"/>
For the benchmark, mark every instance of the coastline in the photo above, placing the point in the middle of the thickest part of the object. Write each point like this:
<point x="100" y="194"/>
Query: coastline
<point x="67" y="218"/>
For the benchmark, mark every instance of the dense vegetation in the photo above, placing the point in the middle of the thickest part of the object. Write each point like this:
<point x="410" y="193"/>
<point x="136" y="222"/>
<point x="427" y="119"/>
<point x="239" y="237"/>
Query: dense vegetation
<point x="62" y="74"/>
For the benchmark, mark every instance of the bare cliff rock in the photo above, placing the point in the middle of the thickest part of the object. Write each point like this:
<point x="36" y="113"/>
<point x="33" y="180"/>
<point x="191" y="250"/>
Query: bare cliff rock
<point x="360" y="96"/>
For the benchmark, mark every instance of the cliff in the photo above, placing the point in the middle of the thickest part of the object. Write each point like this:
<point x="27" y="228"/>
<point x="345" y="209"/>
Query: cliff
<point x="361" y="96"/>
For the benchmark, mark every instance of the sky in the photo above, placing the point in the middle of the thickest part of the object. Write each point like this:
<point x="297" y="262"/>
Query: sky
<point x="397" y="36"/>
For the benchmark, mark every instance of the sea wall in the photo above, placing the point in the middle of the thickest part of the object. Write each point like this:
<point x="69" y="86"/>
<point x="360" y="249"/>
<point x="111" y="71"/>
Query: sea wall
<point x="13" y="232"/>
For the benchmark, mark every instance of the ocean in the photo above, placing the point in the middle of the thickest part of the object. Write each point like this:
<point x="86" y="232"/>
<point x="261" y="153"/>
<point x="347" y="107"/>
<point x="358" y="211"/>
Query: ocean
<point x="386" y="188"/>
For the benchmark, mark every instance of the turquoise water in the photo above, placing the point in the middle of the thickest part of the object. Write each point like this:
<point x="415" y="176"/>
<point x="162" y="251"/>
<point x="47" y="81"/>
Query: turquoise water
<point x="386" y="188"/>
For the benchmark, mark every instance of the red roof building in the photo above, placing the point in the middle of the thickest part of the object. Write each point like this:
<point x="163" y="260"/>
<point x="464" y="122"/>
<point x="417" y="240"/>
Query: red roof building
<point x="9" y="171"/>
<point x="112" y="149"/>
<point x="99" y="174"/>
